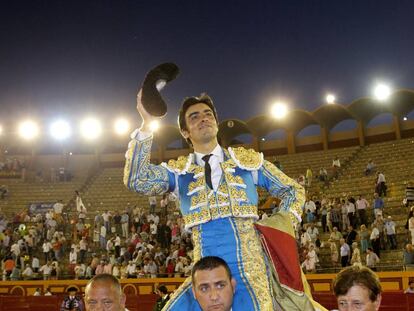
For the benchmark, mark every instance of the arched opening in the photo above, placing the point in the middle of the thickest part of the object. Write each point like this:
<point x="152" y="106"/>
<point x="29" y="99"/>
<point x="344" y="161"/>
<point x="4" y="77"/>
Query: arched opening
<point x="279" y="134"/>
<point x="345" y="125"/>
<point x="242" y="139"/>
<point x="309" y="138"/>
<point x="343" y="134"/>
<point x="380" y="119"/>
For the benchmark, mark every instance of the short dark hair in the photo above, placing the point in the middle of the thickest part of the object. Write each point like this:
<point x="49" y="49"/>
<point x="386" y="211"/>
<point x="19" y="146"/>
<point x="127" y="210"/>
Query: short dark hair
<point x="105" y="278"/>
<point x="356" y="275"/>
<point x="163" y="289"/>
<point x="204" y="98"/>
<point x="70" y="289"/>
<point x="210" y="263"/>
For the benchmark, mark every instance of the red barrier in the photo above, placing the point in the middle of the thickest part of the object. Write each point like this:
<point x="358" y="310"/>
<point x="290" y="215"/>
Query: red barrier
<point x="391" y="301"/>
<point x="52" y="303"/>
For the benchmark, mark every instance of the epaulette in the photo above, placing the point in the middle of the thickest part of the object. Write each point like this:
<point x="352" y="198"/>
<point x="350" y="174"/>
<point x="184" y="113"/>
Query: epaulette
<point x="247" y="159"/>
<point x="181" y="165"/>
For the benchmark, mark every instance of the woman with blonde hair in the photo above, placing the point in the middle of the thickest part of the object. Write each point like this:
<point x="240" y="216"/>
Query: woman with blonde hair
<point x="364" y="237"/>
<point x="356" y="255"/>
<point x="334" y="252"/>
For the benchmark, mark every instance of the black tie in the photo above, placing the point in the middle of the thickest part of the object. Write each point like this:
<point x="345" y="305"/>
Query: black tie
<point x="207" y="169"/>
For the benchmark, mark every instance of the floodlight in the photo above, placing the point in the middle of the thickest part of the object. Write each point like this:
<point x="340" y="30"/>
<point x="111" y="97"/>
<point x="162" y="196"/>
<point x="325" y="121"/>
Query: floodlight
<point x="91" y="128"/>
<point x="405" y="118"/>
<point x="330" y="99"/>
<point x="382" y="92"/>
<point x="154" y="125"/>
<point x="121" y="126"/>
<point x="279" y="110"/>
<point x="28" y="130"/>
<point x="60" y="130"/>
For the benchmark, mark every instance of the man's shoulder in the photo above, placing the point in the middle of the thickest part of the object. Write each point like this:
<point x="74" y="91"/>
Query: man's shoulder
<point x="179" y="165"/>
<point x="248" y="159"/>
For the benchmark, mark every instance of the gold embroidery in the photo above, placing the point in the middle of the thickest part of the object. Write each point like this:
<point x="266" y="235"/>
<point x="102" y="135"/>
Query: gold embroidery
<point x="179" y="164"/>
<point x="214" y="212"/>
<point x="199" y="199"/>
<point x="295" y="207"/>
<point x="234" y="179"/>
<point x="139" y="174"/>
<point x="246" y="210"/>
<point x="196" y="236"/>
<point x="237" y="195"/>
<point x="198" y="183"/>
<point x="253" y="268"/>
<point x="205" y="214"/>
<point x="196" y="218"/>
<point x="246" y="158"/>
<point x="221" y="199"/>
<point x="225" y="210"/>
<point x="228" y="165"/>
<point x="212" y="201"/>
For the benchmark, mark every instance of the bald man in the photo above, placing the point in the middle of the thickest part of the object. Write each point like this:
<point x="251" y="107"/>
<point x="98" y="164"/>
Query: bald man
<point x="104" y="293"/>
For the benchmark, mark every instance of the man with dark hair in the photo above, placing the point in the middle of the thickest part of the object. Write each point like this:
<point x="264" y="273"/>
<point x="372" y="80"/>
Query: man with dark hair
<point x="72" y="302"/>
<point x="218" y="201"/>
<point x="163" y="299"/>
<point x="357" y="288"/>
<point x="410" y="289"/>
<point x="213" y="285"/>
<point x="104" y="292"/>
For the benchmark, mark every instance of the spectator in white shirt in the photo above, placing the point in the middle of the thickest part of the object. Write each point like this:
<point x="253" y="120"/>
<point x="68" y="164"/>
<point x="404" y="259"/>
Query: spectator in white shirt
<point x="153" y="228"/>
<point x="106" y="217"/>
<point x="73" y="256"/>
<point x="310" y="210"/>
<point x="390" y="231"/>
<point x="313" y="232"/>
<point x="27" y="274"/>
<point x="153" y="203"/>
<point x="372" y="259"/>
<point x="58" y="208"/>
<point x="345" y="251"/>
<point x="102" y="237"/>
<point x="305" y="238"/>
<point x="381" y="187"/>
<point x="351" y="211"/>
<point x="131" y="270"/>
<point x="46" y="247"/>
<point x="336" y="165"/>
<point x="361" y="207"/>
<point x="83" y="247"/>
<point x="375" y="239"/>
<point x="35" y="264"/>
<point x="46" y="269"/>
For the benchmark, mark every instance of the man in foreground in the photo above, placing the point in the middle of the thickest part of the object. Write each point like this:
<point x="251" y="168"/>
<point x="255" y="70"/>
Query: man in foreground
<point x="357" y="288"/>
<point x="218" y="200"/>
<point x="213" y="285"/>
<point x="104" y="293"/>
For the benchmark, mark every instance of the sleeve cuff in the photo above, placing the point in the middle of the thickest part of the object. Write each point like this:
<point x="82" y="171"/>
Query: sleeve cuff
<point x="140" y="135"/>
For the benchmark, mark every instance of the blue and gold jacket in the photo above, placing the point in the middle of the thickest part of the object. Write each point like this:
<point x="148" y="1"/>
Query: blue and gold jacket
<point x="236" y="196"/>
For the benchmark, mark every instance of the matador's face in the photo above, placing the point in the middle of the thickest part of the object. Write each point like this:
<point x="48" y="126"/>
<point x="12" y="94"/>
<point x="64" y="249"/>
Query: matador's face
<point x="201" y="124"/>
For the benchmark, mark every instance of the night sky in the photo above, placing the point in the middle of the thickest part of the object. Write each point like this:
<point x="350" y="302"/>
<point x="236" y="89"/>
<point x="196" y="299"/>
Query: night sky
<point x="71" y="58"/>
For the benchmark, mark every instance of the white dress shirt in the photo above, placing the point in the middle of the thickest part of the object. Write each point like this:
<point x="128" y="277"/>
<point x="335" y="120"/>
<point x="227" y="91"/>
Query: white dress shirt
<point x="215" y="160"/>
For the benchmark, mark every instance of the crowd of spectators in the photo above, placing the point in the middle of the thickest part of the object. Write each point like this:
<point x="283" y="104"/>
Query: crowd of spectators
<point x="358" y="228"/>
<point x="11" y="165"/>
<point x="129" y="244"/>
<point x="150" y="241"/>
